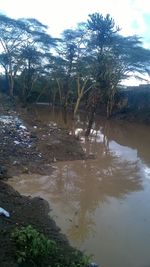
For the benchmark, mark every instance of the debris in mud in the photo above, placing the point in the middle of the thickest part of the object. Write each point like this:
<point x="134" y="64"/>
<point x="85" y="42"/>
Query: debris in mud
<point x="4" y="212"/>
<point x="29" y="144"/>
<point x="15" y="143"/>
<point x="14" y="127"/>
<point x="3" y="172"/>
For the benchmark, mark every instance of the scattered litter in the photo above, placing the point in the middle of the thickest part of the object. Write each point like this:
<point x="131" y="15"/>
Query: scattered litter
<point x="52" y="124"/>
<point x="16" y="162"/>
<point x="4" y="212"/>
<point x="17" y="142"/>
<point x="12" y="125"/>
<point x="23" y="127"/>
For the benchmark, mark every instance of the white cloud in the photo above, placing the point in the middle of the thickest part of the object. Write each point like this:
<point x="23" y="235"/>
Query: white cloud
<point x="61" y="14"/>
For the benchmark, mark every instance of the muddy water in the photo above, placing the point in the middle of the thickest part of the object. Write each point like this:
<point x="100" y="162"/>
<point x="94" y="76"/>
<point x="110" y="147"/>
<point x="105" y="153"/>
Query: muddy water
<point x="101" y="204"/>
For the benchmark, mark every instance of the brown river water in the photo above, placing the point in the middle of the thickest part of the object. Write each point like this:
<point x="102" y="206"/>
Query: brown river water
<point x="101" y="204"/>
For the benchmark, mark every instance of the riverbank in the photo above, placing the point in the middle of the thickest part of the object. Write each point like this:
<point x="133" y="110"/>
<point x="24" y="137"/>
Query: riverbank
<point x="21" y="152"/>
<point x="26" y="211"/>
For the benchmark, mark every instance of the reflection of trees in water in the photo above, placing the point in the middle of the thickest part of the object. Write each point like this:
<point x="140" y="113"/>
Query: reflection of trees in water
<point x="88" y="183"/>
<point x="81" y="186"/>
<point x="133" y="135"/>
<point x="82" y="226"/>
<point x="85" y="185"/>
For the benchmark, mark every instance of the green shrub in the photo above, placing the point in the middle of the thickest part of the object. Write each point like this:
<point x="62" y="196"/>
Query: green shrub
<point x="32" y="247"/>
<point x="35" y="250"/>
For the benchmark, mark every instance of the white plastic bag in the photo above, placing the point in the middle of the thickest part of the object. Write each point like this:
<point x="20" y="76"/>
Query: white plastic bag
<point x="4" y="212"/>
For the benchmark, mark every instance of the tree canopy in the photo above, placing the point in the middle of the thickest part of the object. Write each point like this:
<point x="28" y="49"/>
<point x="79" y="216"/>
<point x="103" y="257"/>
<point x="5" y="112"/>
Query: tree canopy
<point x="86" y="64"/>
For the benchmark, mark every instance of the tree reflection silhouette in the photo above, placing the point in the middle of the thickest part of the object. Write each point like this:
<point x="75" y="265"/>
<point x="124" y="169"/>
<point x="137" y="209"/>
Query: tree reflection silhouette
<point x="84" y="185"/>
<point x="80" y="187"/>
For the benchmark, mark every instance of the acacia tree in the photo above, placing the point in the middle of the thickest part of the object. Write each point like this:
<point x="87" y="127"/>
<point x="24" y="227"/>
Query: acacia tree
<point x="114" y="57"/>
<point x="29" y="72"/>
<point x="11" y="37"/>
<point x="24" y="43"/>
<point x="103" y="34"/>
<point x="57" y="75"/>
<point x="73" y="76"/>
<point x="66" y="54"/>
<point x="82" y="73"/>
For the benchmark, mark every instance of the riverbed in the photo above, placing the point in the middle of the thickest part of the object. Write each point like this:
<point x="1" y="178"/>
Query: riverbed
<point x="101" y="203"/>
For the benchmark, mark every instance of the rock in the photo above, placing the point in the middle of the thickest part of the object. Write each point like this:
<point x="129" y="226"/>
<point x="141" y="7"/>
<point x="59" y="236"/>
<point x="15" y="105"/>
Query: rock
<point x="3" y="172"/>
<point x="33" y="135"/>
<point x="25" y="170"/>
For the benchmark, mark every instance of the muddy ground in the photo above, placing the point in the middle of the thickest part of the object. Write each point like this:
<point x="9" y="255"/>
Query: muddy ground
<point x="28" y="145"/>
<point x="28" y="148"/>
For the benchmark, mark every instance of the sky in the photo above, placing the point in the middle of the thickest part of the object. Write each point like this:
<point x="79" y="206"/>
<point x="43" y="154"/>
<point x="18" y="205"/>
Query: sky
<point x="132" y="16"/>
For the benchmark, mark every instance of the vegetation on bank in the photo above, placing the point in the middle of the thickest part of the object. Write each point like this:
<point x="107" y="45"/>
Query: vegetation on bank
<point x="84" y="67"/>
<point x="34" y="249"/>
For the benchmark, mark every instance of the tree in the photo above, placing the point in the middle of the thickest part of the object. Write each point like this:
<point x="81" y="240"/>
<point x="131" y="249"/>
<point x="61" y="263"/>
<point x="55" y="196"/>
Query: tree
<point x="114" y="57"/>
<point x="66" y="52"/>
<point x="23" y="43"/>
<point x="11" y="37"/>
<point x="75" y="79"/>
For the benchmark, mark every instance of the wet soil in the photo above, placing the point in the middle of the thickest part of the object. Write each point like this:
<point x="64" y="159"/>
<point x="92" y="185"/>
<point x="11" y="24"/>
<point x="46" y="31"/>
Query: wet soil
<point x="26" y="147"/>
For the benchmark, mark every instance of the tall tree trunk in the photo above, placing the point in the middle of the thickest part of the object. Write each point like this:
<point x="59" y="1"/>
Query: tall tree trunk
<point x="59" y="90"/>
<point x="91" y="120"/>
<point x="77" y="105"/>
<point x="11" y="84"/>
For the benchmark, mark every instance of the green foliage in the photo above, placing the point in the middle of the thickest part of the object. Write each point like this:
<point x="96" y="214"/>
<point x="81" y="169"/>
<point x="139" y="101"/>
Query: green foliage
<point x="35" y="250"/>
<point x="33" y="247"/>
<point x="84" y="261"/>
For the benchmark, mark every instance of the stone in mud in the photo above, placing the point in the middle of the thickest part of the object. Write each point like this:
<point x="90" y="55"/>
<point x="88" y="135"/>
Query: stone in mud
<point x="33" y="135"/>
<point x="3" y="172"/>
<point x="25" y="170"/>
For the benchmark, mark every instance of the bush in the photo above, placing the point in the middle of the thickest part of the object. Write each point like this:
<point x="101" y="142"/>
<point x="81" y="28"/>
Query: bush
<point x="32" y="247"/>
<point x="35" y="250"/>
